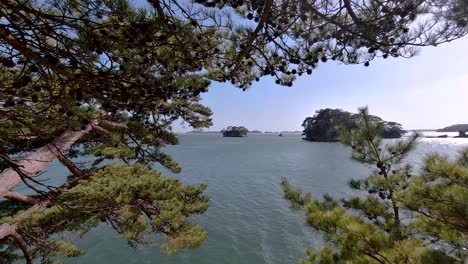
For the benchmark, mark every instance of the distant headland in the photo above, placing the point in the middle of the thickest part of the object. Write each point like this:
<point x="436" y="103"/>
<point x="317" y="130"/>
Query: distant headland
<point x="462" y="130"/>
<point x="322" y="127"/>
<point x="454" y="128"/>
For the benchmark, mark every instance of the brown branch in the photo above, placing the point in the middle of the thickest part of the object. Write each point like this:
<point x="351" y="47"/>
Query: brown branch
<point x="23" y="246"/>
<point x="33" y="164"/>
<point x="25" y="178"/>
<point x="101" y="130"/>
<point x="6" y="230"/>
<point x="260" y="26"/>
<point x="27" y="52"/>
<point x="350" y="10"/>
<point x="9" y="229"/>
<point x="15" y="196"/>
<point x="22" y="7"/>
<point x="68" y="163"/>
<point x="39" y="159"/>
<point x="32" y="55"/>
<point x="157" y="6"/>
<point x="114" y="124"/>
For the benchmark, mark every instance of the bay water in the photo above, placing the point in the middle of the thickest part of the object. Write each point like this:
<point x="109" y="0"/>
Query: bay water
<point x="248" y="220"/>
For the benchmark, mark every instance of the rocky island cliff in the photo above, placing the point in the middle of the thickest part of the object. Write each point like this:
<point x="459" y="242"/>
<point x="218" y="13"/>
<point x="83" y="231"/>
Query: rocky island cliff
<point x="322" y="127"/>
<point x="234" y="131"/>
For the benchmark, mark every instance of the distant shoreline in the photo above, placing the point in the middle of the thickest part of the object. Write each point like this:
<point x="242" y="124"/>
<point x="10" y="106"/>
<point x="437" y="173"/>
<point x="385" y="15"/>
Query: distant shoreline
<point x="249" y="132"/>
<point x="435" y="133"/>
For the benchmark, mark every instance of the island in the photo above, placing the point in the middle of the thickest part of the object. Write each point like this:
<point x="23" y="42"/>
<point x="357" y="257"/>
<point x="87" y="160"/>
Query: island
<point x="234" y="131"/>
<point x="322" y="127"/>
<point x="454" y="128"/>
<point x="255" y="132"/>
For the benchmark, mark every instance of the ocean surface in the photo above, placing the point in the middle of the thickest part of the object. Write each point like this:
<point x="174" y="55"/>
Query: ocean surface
<point x="248" y="220"/>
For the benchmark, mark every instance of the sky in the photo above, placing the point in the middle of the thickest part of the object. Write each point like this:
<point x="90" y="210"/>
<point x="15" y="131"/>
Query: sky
<point x="424" y="92"/>
<point x="428" y="91"/>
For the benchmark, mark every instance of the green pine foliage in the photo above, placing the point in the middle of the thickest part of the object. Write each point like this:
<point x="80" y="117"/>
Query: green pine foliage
<point x="132" y="198"/>
<point x="398" y="217"/>
<point x="124" y="74"/>
<point x="323" y="125"/>
<point x="439" y="195"/>
<point x="287" y="39"/>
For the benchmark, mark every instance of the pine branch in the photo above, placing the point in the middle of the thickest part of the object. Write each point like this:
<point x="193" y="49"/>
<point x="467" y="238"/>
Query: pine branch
<point x="23" y="246"/>
<point x="39" y="159"/>
<point x="15" y="196"/>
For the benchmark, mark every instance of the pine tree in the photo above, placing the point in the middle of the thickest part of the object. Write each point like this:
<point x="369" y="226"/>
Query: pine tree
<point x="98" y="78"/>
<point x="108" y="79"/>
<point x="287" y="39"/>
<point x="105" y="79"/>
<point x="399" y="217"/>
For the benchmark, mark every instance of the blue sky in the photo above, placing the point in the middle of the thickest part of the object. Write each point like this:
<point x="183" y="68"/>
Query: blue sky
<point x="426" y="91"/>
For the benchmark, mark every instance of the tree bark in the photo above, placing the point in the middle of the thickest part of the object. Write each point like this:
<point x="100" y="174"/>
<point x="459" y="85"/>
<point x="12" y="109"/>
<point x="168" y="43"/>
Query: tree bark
<point x="10" y="230"/>
<point x="39" y="159"/>
<point x="23" y="246"/>
<point x="114" y="124"/>
<point x="7" y="230"/>
<point x="70" y="165"/>
<point x="20" y="198"/>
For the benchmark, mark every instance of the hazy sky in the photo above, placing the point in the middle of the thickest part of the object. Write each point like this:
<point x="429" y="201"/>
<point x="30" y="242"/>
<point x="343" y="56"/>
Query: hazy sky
<point x="427" y="91"/>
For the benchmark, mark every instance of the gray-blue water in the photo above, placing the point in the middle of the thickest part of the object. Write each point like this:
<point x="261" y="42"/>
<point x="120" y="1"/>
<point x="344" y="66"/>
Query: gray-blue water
<point x="248" y="220"/>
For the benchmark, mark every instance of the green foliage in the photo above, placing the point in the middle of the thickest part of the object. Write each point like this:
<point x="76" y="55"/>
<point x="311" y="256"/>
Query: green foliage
<point x="127" y="73"/>
<point x="287" y="39"/>
<point x="65" y="249"/>
<point x="132" y="199"/>
<point x="234" y="131"/>
<point x="120" y="151"/>
<point x="326" y="123"/>
<point x="401" y="218"/>
<point x="440" y="196"/>
<point x="112" y="57"/>
<point x="9" y="208"/>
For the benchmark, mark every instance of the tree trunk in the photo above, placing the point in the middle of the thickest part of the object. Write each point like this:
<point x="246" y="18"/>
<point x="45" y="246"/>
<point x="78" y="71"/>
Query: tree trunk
<point x="7" y="230"/>
<point x="38" y="160"/>
<point x="20" y="198"/>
